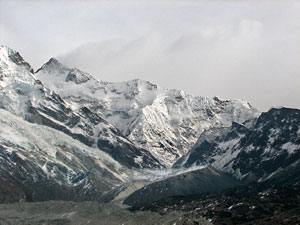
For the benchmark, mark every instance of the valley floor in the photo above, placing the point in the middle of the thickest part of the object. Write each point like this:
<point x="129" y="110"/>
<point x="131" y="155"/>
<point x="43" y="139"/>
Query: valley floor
<point x="83" y="213"/>
<point x="250" y="204"/>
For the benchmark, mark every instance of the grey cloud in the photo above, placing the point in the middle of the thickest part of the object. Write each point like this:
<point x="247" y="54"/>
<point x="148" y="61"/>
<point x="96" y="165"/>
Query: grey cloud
<point x="233" y="49"/>
<point x="231" y="63"/>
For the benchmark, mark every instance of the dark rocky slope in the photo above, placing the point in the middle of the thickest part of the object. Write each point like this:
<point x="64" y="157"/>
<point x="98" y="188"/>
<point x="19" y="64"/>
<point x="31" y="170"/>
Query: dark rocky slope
<point x="254" y="203"/>
<point x="190" y="183"/>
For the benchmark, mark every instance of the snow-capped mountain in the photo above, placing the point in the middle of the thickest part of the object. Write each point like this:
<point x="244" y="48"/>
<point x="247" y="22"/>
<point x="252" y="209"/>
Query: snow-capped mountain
<point x="49" y="150"/>
<point x="68" y="136"/>
<point x="24" y="95"/>
<point x="165" y="122"/>
<point x="270" y="147"/>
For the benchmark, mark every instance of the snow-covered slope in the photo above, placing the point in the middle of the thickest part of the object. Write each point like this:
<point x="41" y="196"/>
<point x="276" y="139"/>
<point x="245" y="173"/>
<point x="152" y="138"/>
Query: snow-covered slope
<point x="271" y="146"/>
<point x="48" y="164"/>
<point x="165" y="122"/>
<point x="22" y="94"/>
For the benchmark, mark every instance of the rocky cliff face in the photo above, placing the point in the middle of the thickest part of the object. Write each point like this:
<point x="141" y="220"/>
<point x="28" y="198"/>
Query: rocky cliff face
<point x="258" y="153"/>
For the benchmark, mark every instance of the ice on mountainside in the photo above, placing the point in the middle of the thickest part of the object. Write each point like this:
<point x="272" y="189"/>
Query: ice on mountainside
<point x="53" y="164"/>
<point x="166" y="122"/>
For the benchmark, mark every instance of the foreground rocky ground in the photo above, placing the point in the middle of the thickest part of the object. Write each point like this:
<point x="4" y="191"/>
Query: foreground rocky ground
<point x="251" y="204"/>
<point x="83" y="213"/>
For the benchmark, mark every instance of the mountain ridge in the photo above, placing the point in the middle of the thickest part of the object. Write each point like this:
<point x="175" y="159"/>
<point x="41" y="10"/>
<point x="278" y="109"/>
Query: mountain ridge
<point x="166" y="122"/>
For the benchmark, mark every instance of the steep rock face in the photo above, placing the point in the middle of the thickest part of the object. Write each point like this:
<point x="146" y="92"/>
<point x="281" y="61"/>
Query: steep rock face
<point x="24" y="95"/>
<point x="270" y="147"/>
<point x="215" y="146"/>
<point x="165" y="122"/>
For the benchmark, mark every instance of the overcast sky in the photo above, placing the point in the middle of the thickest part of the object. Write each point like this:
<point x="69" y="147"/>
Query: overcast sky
<point x="243" y="49"/>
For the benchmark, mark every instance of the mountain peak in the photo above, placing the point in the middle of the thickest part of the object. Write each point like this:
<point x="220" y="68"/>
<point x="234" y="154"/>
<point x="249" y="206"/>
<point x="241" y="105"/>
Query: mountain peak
<point x="53" y="61"/>
<point x="53" y="65"/>
<point x="8" y="56"/>
<point x="53" y="68"/>
<point x="7" y="50"/>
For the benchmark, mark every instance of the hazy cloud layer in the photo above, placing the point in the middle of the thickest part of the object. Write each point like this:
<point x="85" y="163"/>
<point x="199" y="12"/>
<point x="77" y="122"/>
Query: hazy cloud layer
<point x="233" y="49"/>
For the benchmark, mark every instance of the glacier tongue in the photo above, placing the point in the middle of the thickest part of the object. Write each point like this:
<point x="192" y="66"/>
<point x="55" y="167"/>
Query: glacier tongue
<point x="165" y="122"/>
